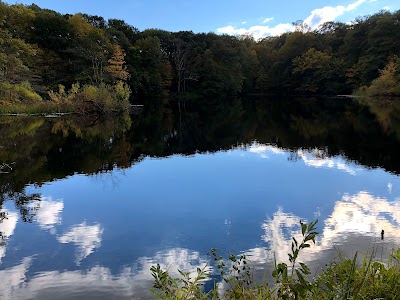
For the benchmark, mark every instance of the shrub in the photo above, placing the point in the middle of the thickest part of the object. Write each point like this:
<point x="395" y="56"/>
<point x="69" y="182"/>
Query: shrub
<point x="21" y="92"/>
<point x="103" y="98"/>
<point x="388" y="82"/>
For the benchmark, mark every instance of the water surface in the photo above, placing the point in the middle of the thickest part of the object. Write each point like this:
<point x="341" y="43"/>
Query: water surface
<point x="89" y="205"/>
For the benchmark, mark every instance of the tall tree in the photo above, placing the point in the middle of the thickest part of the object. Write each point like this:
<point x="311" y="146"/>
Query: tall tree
<point x="116" y="65"/>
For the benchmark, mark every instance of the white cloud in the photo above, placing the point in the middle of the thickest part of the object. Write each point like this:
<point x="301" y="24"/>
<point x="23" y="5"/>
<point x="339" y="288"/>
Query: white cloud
<point x="266" y="20"/>
<point x="360" y="215"/>
<point x="49" y="212"/>
<point x="244" y="22"/>
<point x="87" y="238"/>
<point x="315" y="159"/>
<point x="386" y="8"/>
<point x="354" y="225"/>
<point x="7" y="227"/>
<point x="132" y="282"/>
<point x="316" y="18"/>
<point x="264" y="150"/>
<point x="354" y="5"/>
<point x="325" y="14"/>
<point x="346" y="168"/>
<point x="13" y="278"/>
<point x="258" y="31"/>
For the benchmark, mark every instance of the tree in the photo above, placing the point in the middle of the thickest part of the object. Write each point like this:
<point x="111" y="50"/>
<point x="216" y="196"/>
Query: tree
<point x="116" y="65"/>
<point x="154" y="69"/>
<point x="318" y="70"/>
<point x="14" y="55"/>
<point x="388" y="82"/>
<point x="179" y="58"/>
<point x="88" y="50"/>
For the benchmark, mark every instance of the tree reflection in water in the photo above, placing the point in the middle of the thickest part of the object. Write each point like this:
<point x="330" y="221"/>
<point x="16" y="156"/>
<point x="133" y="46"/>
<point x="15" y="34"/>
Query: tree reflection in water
<point x="315" y="131"/>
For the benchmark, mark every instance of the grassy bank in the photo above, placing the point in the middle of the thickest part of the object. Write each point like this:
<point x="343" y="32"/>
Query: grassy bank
<point x="343" y="278"/>
<point x="101" y="99"/>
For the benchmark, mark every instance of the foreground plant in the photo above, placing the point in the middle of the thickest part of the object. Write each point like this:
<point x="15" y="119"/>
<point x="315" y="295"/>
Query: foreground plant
<point x="179" y="288"/>
<point x="296" y="284"/>
<point x="343" y="278"/>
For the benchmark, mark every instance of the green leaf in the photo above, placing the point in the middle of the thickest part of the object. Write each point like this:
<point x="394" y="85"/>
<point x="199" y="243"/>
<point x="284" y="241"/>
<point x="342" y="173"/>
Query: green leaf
<point x="303" y="228"/>
<point x="301" y="278"/>
<point x="311" y="226"/>
<point x="306" y="270"/>
<point x="310" y="237"/>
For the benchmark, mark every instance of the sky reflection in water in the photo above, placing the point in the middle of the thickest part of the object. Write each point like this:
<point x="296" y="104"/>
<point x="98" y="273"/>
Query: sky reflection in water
<point x="99" y="235"/>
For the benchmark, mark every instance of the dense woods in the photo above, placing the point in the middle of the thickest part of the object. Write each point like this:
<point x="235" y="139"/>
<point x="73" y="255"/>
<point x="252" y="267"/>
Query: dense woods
<point x="86" y="63"/>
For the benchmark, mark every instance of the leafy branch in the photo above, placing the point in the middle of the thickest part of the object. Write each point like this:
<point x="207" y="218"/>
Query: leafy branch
<point x="295" y="285"/>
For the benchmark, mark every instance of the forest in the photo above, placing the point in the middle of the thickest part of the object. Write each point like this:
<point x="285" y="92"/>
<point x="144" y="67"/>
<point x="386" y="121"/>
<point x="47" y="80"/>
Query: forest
<point x="85" y="63"/>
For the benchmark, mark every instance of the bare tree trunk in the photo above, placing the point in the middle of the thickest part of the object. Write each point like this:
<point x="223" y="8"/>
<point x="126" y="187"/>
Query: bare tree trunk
<point x="180" y="64"/>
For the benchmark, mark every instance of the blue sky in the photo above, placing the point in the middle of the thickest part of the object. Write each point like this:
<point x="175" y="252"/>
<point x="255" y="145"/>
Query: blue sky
<point x="258" y="17"/>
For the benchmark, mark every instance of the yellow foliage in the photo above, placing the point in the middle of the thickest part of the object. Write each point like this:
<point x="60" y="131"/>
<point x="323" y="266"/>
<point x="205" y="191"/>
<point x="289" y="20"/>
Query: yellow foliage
<point x="22" y="92"/>
<point x="387" y="84"/>
<point x="117" y="66"/>
<point x="80" y="26"/>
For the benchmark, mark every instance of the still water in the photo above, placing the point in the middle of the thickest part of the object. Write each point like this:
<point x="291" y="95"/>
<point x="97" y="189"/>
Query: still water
<point x="89" y="205"/>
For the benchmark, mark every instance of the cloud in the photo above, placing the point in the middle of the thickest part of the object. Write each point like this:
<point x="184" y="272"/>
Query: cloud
<point x="390" y="187"/>
<point x="49" y="212"/>
<point x="7" y="227"/>
<point x="264" y="150"/>
<point x="315" y="159"/>
<point x="356" y="219"/>
<point x="258" y="31"/>
<point x="320" y="16"/>
<point x="316" y="18"/>
<point x="354" y="225"/>
<point x="87" y="238"/>
<point x="386" y="8"/>
<point x="132" y="281"/>
<point x="267" y="20"/>
<point x="13" y="278"/>
<point x="361" y="216"/>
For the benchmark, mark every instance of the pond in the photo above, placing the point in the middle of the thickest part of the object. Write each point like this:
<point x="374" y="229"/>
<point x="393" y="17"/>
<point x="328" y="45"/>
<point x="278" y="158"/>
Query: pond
<point x="88" y="205"/>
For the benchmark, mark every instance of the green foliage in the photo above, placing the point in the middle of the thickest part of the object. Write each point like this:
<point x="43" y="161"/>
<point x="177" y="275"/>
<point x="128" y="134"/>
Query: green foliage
<point x="49" y="49"/>
<point x="122" y="95"/>
<point x="388" y="82"/>
<point x="372" y="279"/>
<point x="104" y="99"/>
<point x="153" y="68"/>
<point x="62" y="96"/>
<point x="22" y="92"/>
<point x="317" y="70"/>
<point x="296" y="285"/>
<point x="179" y="288"/>
<point x="342" y="279"/>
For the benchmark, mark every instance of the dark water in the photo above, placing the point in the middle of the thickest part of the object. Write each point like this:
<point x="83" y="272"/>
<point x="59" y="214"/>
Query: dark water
<point x="89" y="205"/>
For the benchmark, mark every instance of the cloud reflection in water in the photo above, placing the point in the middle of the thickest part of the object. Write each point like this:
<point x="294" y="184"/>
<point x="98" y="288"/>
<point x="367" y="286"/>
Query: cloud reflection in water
<point x="354" y="225"/>
<point x="49" y="212"/>
<point x="87" y="238"/>
<point x="97" y="282"/>
<point x="312" y="158"/>
<point x="7" y="227"/>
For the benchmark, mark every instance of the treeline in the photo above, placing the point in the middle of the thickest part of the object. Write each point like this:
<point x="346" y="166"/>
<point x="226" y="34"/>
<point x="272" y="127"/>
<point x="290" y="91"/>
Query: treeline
<point x="73" y="55"/>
